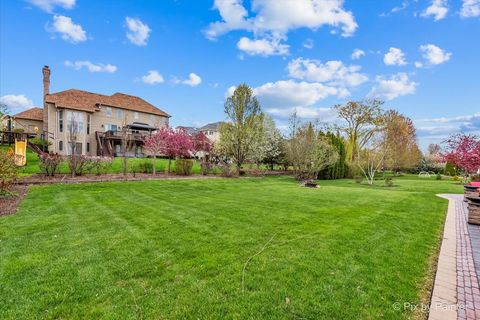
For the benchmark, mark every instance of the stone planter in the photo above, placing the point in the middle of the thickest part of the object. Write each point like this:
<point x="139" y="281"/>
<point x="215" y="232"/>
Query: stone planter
<point x="470" y="191"/>
<point x="474" y="210"/>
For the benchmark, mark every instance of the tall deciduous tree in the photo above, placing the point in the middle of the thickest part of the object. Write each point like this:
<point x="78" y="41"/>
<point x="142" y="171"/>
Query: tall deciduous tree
<point x="272" y="142"/>
<point x="238" y="136"/>
<point x="308" y="151"/>
<point x="402" y="151"/>
<point x="362" y="121"/>
<point x="370" y="157"/>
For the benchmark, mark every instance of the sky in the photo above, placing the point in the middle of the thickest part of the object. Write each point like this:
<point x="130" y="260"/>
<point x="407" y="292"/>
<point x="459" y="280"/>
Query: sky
<point x="186" y="56"/>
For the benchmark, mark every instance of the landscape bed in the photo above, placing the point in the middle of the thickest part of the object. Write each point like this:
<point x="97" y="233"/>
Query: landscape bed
<point x="180" y="249"/>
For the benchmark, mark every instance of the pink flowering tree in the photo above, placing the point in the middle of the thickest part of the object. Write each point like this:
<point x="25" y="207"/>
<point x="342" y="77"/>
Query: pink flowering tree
<point x="464" y="153"/>
<point x="154" y="143"/>
<point x="200" y="143"/>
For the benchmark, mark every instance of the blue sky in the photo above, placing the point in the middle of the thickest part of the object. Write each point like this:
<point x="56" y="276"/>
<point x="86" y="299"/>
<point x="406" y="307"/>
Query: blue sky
<point x="422" y="57"/>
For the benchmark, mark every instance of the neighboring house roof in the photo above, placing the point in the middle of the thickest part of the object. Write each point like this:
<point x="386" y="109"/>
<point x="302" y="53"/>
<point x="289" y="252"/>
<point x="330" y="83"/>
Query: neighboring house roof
<point x="88" y="101"/>
<point x="215" y="126"/>
<point x="188" y="130"/>
<point x="31" y="114"/>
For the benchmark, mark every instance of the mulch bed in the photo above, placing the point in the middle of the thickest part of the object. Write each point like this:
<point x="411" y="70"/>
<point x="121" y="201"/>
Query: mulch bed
<point x="9" y="204"/>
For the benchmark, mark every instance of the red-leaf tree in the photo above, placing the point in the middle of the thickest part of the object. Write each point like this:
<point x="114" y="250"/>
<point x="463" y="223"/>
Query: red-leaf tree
<point x="200" y="143"/>
<point x="463" y="151"/>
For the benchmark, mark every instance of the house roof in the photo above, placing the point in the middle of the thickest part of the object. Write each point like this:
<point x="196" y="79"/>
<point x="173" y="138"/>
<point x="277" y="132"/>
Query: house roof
<point x="34" y="113"/>
<point x="90" y="102"/>
<point x="188" y="130"/>
<point x="215" y="126"/>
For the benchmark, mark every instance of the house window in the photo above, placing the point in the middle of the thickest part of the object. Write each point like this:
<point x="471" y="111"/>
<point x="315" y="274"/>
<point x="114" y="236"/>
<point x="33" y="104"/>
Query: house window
<point x="78" y="148"/>
<point x="152" y="119"/>
<point x="60" y="120"/>
<point x="108" y="110"/>
<point x="111" y="127"/>
<point x="60" y="145"/>
<point x="120" y="114"/>
<point x="88" y="147"/>
<point x="75" y="122"/>
<point x="88" y="123"/>
<point x="135" y="115"/>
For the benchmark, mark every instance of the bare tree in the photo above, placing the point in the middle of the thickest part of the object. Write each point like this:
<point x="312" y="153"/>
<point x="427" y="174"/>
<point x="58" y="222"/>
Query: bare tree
<point x="370" y="158"/>
<point x="75" y="128"/>
<point x="127" y="143"/>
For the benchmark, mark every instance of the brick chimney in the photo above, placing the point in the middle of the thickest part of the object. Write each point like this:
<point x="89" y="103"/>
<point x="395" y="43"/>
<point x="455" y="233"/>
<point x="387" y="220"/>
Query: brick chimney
<point x="46" y="90"/>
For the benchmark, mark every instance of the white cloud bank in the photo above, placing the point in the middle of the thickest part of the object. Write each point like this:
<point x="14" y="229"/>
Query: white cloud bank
<point x="394" y="57"/>
<point x="193" y="80"/>
<point x="91" y="67"/>
<point x="263" y="47"/>
<point x="271" y="20"/>
<point x="357" y="54"/>
<point x="438" y="10"/>
<point x="138" y="32"/>
<point x="392" y="87"/>
<point x="153" y="77"/>
<point x="434" y="55"/>
<point x="49" y="5"/>
<point x="332" y="72"/>
<point x="16" y="103"/>
<point x="68" y="30"/>
<point x="470" y="9"/>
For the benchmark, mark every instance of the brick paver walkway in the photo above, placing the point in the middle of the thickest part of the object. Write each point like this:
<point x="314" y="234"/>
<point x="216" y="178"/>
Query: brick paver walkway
<point x="456" y="293"/>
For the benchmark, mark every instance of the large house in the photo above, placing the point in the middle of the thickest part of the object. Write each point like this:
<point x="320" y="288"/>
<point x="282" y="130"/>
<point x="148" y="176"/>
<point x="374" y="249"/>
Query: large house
<point x="210" y="130"/>
<point x="98" y="122"/>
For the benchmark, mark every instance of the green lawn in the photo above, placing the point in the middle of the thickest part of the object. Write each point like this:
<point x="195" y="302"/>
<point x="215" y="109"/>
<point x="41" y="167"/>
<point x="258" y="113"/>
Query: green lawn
<point x="176" y="249"/>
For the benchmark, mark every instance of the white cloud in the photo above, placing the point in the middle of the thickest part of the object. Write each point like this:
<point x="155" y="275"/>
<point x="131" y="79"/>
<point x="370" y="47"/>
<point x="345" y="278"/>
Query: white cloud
<point x="357" y="54"/>
<point x="395" y="86"/>
<point x="404" y="5"/>
<point x="442" y="127"/>
<point x="99" y="67"/>
<point x="68" y="30"/>
<point x="434" y="55"/>
<point x="290" y="93"/>
<point x="438" y="10"/>
<point x="334" y="72"/>
<point x="273" y="19"/>
<point x="324" y="114"/>
<point x="308" y="43"/>
<point x="138" y="32"/>
<point x="153" y="77"/>
<point x="470" y="8"/>
<point x="193" y="80"/>
<point x="49" y="5"/>
<point x="394" y="57"/>
<point x="262" y="47"/>
<point x="16" y="103"/>
<point x="418" y="64"/>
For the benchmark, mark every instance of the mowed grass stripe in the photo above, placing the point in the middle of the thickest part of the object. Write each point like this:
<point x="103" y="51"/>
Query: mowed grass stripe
<point x="176" y="249"/>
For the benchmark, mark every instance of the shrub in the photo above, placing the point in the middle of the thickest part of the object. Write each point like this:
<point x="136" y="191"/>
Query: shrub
<point x="456" y="178"/>
<point x="358" y="179"/>
<point x="226" y="170"/>
<point x="8" y="171"/>
<point x="99" y="165"/>
<point x="78" y="164"/>
<point x="41" y="143"/>
<point x="144" y="167"/>
<point x="183" y="167"/>
<point x="206" y="167"/>
<point x="438" y="176"/>
<point x="49" y="163"/>
<point x="388" y="182"/>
